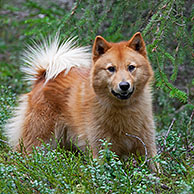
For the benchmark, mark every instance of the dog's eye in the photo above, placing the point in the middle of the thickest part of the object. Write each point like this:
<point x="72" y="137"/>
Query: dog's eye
<point x="131" y="68"/>
<point x="111" y="69"/>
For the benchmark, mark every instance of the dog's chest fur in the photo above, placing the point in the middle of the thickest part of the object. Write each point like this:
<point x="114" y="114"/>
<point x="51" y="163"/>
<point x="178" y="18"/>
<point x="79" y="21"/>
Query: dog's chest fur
<point x="113" y="124"/>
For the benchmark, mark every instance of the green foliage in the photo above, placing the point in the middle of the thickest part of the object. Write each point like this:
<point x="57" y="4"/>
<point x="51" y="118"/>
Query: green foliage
<point x="58" y="171"/>
<point x="162" y="81"/>
<point x="167" y="28"/>
<point x="167" y="48"/>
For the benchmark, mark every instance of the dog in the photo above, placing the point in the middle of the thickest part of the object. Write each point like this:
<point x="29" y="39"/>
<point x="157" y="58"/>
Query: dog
<point x="78" y="96"/>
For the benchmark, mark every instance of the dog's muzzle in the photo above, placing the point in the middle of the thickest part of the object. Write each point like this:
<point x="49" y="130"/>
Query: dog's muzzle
<point x="122" y="95"/>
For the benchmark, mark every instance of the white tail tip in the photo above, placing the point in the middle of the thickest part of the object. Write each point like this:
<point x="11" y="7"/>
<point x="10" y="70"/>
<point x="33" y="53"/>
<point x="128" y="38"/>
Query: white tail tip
<point x="54" y="57"/>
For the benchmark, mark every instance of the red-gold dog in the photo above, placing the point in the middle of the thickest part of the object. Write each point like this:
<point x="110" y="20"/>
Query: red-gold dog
<point x="79" y="97"/>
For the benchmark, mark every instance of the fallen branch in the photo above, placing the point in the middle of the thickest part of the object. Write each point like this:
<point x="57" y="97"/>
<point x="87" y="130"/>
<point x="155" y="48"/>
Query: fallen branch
<point x="145" y="148"/>
<point x="170" y="127"/>
<point x="4" y="141"/>
<point x="75" y="7"/>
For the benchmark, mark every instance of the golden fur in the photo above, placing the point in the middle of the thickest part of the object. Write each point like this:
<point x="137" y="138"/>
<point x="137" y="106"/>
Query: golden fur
<point x="85" y="103"/>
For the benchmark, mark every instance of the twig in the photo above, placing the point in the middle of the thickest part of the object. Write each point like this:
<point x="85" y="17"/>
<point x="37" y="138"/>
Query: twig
<point x="170" y="127"/>
<point x="4" y="141"/>
<point x="182" y="25"/>
<point x="191" y="148"/>
<point x="181" y="108"/>
<point x="75" y="7"/>
<point x="190" y="121"/>
<point x="145" y="148"/>
<point x="189" y="129"/>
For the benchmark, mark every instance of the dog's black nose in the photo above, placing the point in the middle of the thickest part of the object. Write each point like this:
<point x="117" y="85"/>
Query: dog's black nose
<point x="124" y="86"/>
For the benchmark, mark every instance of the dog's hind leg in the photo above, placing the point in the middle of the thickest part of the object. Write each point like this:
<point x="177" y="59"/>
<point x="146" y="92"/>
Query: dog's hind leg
<point x="32" y="123"/>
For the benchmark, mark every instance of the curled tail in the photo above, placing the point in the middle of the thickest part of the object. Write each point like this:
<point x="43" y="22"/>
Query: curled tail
<point x="52" y="57"/>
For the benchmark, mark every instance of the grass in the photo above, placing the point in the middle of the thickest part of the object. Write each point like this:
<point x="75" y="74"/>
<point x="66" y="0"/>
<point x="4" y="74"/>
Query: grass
<point x="49" y="170"/>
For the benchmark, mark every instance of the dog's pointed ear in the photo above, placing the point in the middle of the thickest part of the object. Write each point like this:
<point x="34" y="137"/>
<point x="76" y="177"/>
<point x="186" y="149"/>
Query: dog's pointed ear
<point x="137" y="43"/>
<point x="100" y="47"/>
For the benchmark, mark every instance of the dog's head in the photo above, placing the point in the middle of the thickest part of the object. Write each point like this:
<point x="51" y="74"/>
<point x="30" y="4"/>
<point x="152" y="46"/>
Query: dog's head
<point x="120" y="70"/>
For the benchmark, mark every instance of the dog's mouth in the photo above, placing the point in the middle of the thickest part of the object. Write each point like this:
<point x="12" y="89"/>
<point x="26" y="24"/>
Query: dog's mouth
<point x="123" y="95"/>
